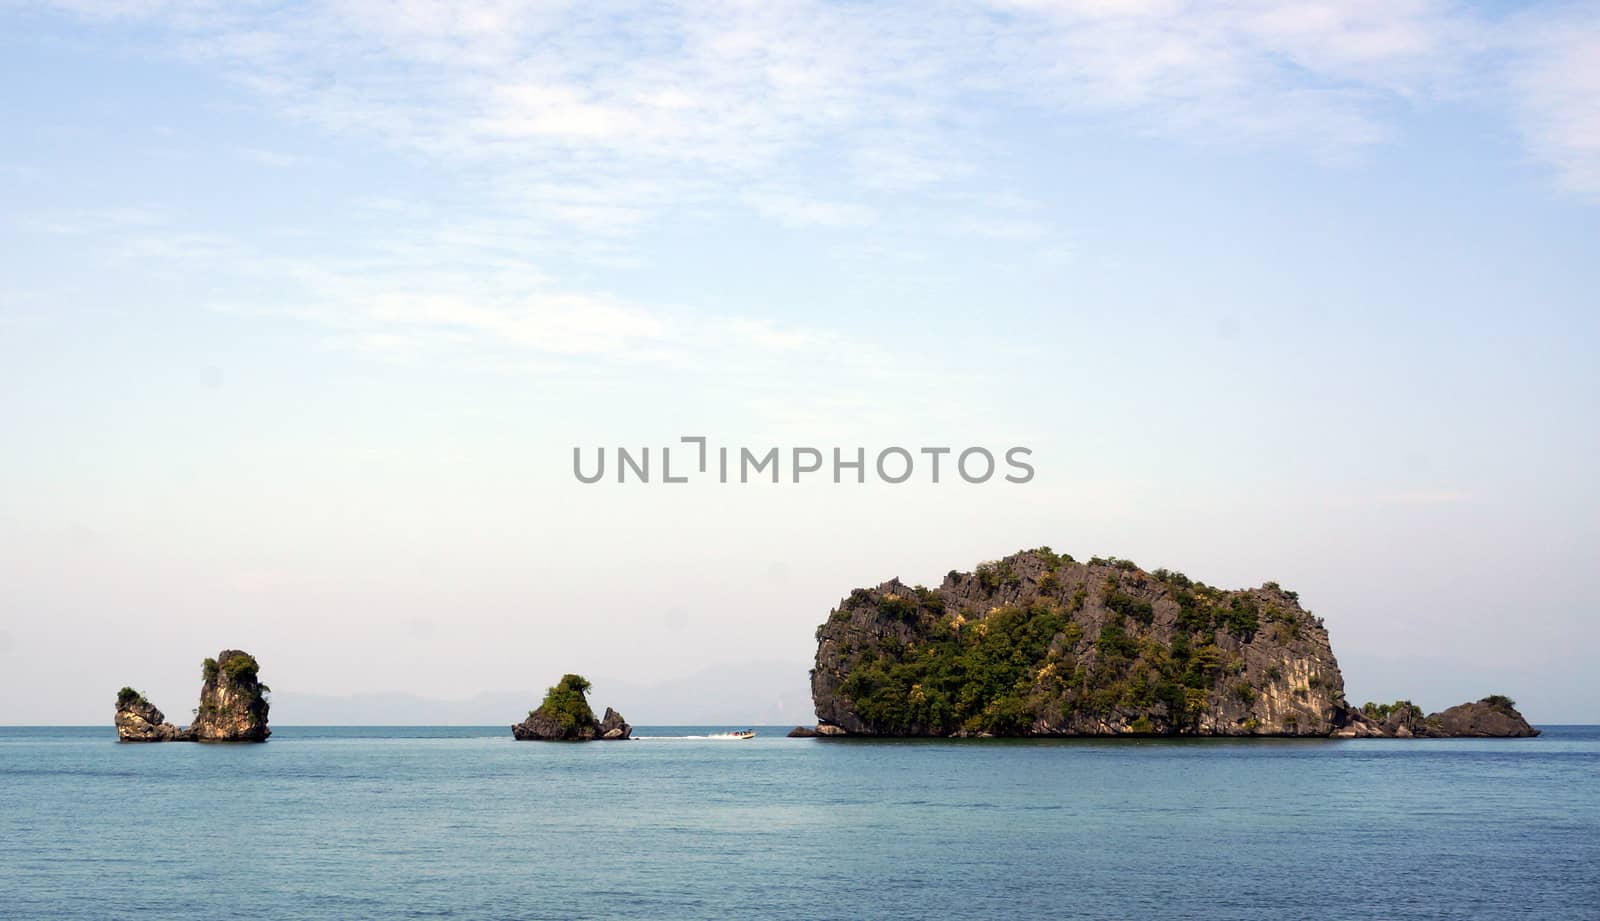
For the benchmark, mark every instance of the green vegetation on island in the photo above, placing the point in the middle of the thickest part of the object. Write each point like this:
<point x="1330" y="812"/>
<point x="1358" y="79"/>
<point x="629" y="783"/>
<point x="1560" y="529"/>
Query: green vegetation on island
<point x="565" y="716"/>
<point x="232" y="708"/>
<point x="567" y="703"/>
<point x="1039" y="640"/>
<point x="1038" y="643"/>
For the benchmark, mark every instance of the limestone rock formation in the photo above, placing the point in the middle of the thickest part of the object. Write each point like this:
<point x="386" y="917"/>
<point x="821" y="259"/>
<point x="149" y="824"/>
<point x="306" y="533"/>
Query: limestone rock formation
<point x="233" y="707"/>
<point x="1495" y="716"/>
<point x="138" y="720"/>
<point x="565" y="716"/>
<point x="802" y="732"/>
<point x="541" y="728"/>
<point x="1038" y="644"/>
<point x="613" y="726"/>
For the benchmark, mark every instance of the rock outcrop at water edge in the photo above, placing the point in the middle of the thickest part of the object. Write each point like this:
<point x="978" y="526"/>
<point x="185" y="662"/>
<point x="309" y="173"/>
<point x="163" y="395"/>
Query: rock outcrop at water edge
<point x="565" y="716"/>
<point x="233" y="707"/>
<point x="1039" y="644"/>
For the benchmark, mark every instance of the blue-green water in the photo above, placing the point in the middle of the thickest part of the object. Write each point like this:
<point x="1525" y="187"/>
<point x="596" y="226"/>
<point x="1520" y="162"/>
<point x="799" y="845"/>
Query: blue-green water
<point x="464" y="823"/>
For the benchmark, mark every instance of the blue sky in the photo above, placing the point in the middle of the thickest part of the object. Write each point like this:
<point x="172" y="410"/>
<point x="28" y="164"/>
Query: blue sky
<point x="305" y="305"/>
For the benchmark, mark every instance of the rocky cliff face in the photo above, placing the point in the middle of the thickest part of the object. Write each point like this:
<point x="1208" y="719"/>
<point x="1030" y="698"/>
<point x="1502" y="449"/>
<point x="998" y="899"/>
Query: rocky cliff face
<point x="539" y="727"/>
<point x="1040" y="644"/>
<point x="138" y="720"/>
<point x="613" y="726"/>
<point x="233" y="707"/>
<point x="1491" y="717"/>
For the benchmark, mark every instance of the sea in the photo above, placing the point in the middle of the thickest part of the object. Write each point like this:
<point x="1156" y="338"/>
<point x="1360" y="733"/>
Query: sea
<point x="462" y="822"/>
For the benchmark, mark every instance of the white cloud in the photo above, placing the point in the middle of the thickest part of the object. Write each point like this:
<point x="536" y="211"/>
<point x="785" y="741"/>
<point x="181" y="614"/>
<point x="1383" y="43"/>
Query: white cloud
<point x="273" y="158"/>
<point x="532" y="111"/>
<point x="1314" y="74"/>
<point x="1001" y="229"/>
<point x="100" y="220"/>
<point x="586" y="123"/>
<point x="768" y="335"/>
<point x="459" y="291"/>
<point x="882" y="164"/>
<point x="1557" y="77"/>
<point x="713" y="96"/>
<point x="449" y="290"/>
<point x="799" y="211"/>
<point x="559" y="323"/>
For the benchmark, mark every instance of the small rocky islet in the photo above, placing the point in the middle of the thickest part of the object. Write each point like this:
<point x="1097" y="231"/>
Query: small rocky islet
<point x="565" y="716"/>
<point x="233" y="706"/>
<point x="1038" y="644"/>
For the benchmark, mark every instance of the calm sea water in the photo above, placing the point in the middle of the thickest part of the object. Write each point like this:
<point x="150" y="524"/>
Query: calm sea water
<point x="348" y="823"/>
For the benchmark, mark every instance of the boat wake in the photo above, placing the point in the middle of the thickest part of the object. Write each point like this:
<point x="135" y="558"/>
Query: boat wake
<point x="736" y="736"/>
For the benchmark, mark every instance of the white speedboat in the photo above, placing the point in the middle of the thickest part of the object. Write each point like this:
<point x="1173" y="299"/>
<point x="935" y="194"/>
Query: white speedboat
<point x="738" y="735"/>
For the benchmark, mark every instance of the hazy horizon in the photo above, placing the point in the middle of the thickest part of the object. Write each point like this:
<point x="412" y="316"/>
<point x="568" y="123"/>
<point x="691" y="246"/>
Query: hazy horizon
<point x="305" y="309"/>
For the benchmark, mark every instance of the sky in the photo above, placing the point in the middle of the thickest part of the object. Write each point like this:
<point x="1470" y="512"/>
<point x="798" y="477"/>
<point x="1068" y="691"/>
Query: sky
<point x="304" y="308"/>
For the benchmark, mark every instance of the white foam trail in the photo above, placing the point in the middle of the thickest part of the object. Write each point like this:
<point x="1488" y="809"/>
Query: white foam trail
<point x="719" y="737"/>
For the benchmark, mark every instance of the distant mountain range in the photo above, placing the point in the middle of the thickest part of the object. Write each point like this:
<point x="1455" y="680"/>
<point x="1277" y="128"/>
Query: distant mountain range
<point x="749" y="693"/>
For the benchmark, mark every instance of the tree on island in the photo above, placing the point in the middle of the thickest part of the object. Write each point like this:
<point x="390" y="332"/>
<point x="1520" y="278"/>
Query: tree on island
<point x="567" y="703"/>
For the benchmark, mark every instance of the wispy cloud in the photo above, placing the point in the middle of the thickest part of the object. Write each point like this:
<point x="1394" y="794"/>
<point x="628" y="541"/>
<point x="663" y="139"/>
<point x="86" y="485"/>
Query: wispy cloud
<point x="697" y="98"/>
<point x="273" y="158"/>
<point x="1312" y="74"/>
<point x="446" y="291"/>
<point x="1558" y="90"/>
<point x="98" y="220"/>
<point x="585" y="124"/>
<point x="1001" y="229"/>
<point x="797" y="211"/>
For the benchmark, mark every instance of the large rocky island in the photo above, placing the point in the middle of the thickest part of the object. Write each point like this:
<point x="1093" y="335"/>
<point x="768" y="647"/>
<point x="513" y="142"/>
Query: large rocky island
<point x="1038" y="644"/>
<point x="233" y="706"/>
